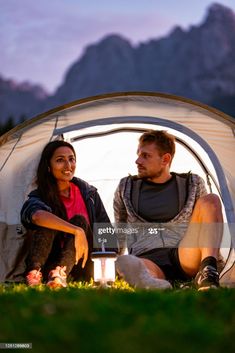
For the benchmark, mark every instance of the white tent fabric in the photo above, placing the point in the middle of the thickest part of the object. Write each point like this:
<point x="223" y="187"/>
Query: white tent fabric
<point x="105" y="130"/>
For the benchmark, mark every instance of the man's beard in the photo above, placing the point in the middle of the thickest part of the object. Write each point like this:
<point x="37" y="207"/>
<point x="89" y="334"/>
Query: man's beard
<point x="145" y="175"/>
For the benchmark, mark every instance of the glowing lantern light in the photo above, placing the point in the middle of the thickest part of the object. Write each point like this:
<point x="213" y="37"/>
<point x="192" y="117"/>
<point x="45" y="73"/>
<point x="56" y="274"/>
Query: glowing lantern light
<point x="104" y="267"/>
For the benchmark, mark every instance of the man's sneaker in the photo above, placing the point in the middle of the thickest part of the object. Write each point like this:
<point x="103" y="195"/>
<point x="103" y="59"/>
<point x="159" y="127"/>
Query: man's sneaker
<point x="57" y="277"/>
<point x="134" y="272"/>
<point x="34" y="278"/>
<point x="207" y="278"/>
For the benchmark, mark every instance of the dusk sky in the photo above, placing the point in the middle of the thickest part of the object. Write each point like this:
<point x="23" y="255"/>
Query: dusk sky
<point x="39" y="40"/>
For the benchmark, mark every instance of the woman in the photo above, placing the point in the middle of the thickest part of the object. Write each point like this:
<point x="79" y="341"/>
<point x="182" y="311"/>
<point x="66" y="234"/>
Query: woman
<point x="58" y="216"/>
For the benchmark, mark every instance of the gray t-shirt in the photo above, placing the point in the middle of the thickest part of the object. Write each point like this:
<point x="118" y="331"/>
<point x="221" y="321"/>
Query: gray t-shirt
<point x="158" y="202"/>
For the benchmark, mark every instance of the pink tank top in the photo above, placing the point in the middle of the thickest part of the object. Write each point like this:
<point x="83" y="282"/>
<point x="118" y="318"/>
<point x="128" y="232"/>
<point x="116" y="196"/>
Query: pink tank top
<point x="75" y="204"/>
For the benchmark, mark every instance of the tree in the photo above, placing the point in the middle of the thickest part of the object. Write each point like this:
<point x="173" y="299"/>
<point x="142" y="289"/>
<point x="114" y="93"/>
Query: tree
<point x="8" y="125"/>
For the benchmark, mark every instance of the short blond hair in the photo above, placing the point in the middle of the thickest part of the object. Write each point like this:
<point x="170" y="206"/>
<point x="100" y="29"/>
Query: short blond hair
<point x="164" y="141"/>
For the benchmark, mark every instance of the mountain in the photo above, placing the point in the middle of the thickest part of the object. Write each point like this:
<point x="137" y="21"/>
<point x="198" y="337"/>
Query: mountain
<point x="198" y="63"/>
<point x="18" y="101"/>
<point x="105" y="67"/>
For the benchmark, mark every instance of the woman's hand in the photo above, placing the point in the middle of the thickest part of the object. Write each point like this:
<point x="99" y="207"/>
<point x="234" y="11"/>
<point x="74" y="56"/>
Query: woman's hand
<point x="81" y="246"/>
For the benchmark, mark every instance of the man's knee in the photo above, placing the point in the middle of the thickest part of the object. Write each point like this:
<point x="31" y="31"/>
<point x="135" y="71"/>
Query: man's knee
<point x="210" y="201"/>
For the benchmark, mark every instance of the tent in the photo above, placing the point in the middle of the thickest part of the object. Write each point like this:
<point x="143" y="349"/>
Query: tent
<point x="104" y="130"/>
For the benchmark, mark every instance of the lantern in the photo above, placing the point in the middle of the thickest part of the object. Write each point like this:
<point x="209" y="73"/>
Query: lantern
<point x="104" y="267"/>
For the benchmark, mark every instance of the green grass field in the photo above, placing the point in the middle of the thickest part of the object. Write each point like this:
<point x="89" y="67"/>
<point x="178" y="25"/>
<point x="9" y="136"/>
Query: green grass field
<point x="87" y="320"/>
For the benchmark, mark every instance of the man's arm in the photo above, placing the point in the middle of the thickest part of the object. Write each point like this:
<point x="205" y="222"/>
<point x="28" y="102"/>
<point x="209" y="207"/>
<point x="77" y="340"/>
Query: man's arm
<point x="120" y="213"/>
<point x="120" y="216"/>
<point x="201" y="188"/>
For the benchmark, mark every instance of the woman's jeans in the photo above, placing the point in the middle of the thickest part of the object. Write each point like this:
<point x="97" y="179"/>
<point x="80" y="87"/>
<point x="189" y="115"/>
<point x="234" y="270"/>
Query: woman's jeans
<point x="49" y="248"/>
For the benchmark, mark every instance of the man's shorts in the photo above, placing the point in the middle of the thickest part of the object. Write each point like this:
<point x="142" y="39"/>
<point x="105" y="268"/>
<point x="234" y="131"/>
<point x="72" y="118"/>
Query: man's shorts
<point x="168" y="261"/>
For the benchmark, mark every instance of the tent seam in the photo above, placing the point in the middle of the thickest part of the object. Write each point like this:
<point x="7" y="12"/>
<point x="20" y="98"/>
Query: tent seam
<point x="4" y="163"/>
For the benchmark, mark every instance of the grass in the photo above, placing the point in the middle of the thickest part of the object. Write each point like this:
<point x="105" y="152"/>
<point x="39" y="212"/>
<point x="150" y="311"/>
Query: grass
<point x="82" y="319"/>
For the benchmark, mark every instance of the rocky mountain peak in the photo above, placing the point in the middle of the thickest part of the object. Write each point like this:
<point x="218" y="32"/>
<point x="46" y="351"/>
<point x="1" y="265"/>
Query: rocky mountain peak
<point x="218" y="13"/>
<point x="114" y="40"/>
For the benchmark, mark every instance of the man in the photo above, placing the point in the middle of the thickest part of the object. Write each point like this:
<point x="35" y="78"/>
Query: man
<point x="184" y="241"/>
